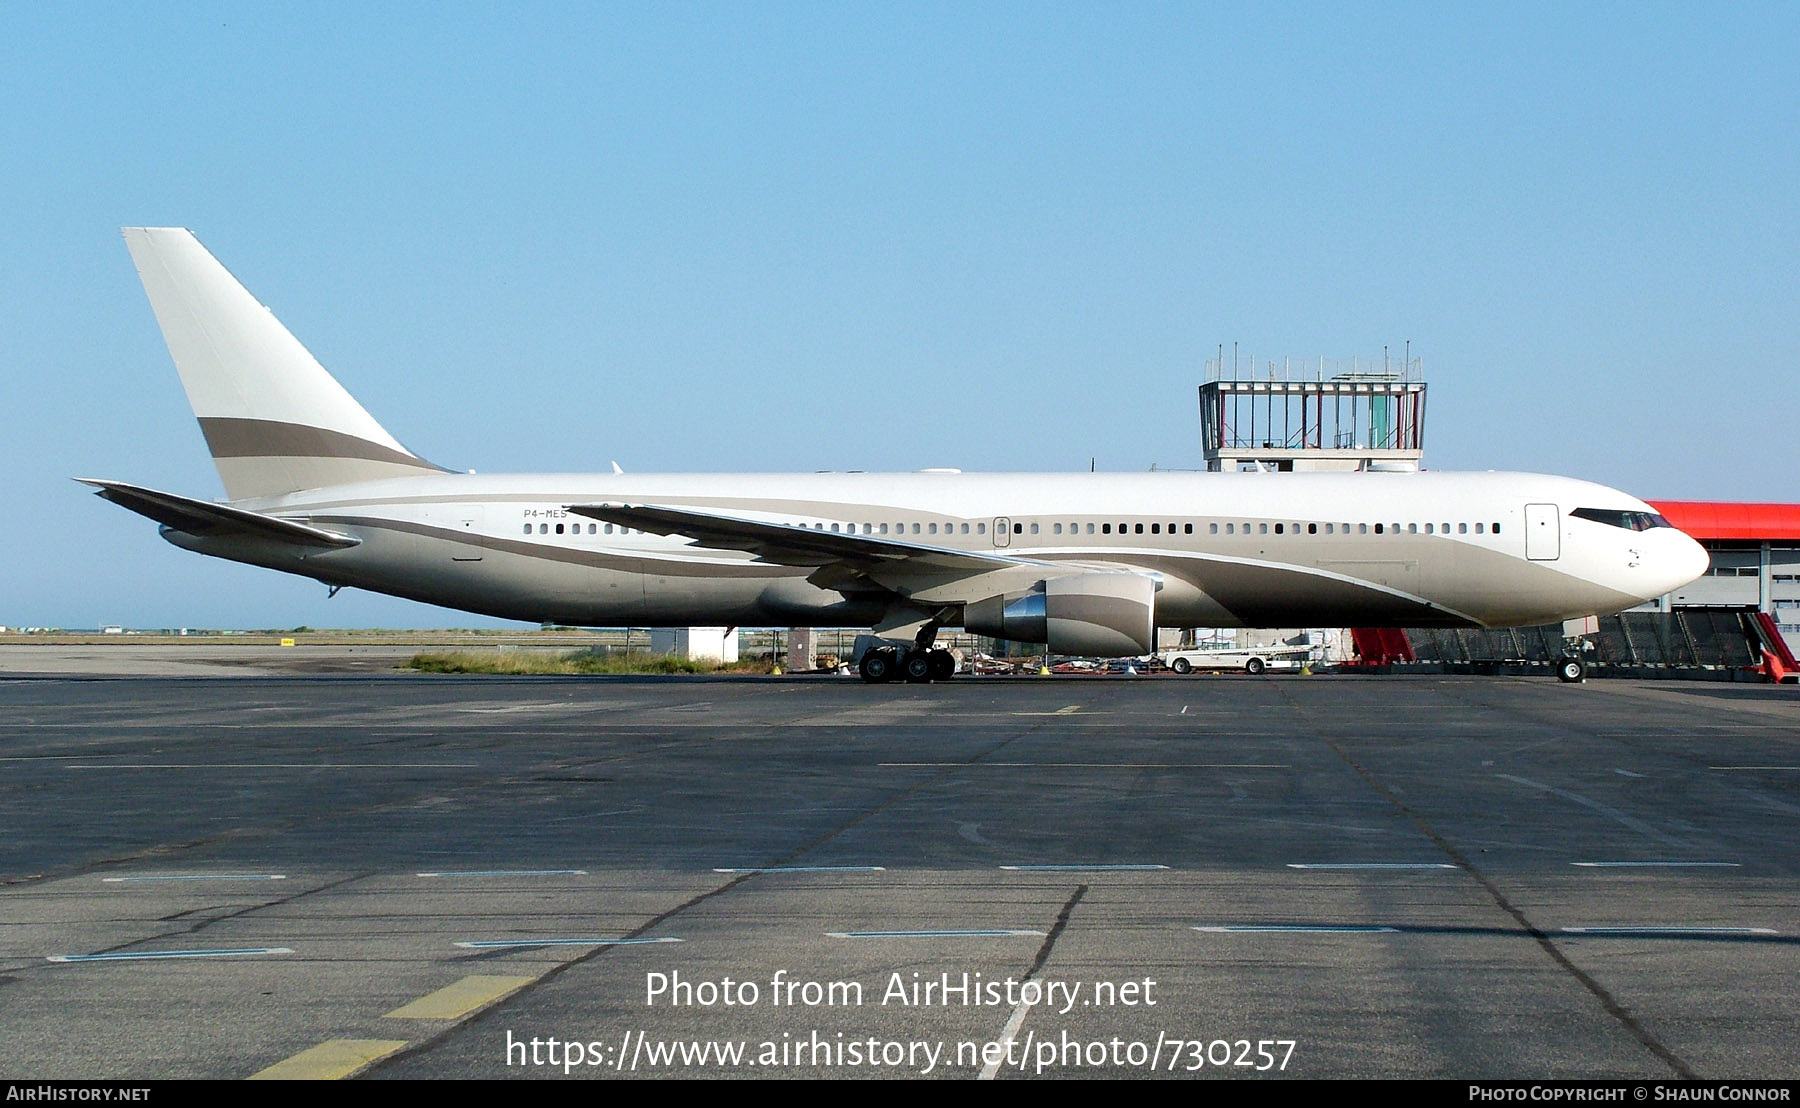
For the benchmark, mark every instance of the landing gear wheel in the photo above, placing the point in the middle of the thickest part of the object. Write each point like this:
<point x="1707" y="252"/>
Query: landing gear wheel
<point x="1182" y="665"/>
<point x="942" y="665"/>
<point x="877" y="665"/>
<point x="1254" y="667"/>
<point x="917" y="666"/>
<point x="1571" y="670"/>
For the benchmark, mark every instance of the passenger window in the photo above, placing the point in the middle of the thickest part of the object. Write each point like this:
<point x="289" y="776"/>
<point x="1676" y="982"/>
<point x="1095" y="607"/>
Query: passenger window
<point x="1462" y="528"/>
<point x="981" y="528"/>
<point x="559" y="528"/>
<point x="1363" y="528"/>
<point x="1018" y="528"/>
<point x="1231" y="528"/>
<point x="1034" y="528"/>
<point x="915" y="528"/>
<point x="1278" y="529"/>
<point x="1188" y="528"/>
<point x="543" y="528"/>
<point x="1480" y="528"/>
<point x="1139" y="528"/>
<point x="1214" y="526"/>
<point x="932" y="529"/>
<point x="1496" y="528"/>
<point x="1156" y="528"/>
<point x="1262" y="528"/>
<point x="965" y="528"/>
<point x="1106" y="528"/>
<point x="1056" y="529"/>
<point x="528" y="528"/>
<point x="1378" y="528"/>
<point x="884" y="528"/>
<point x="1313" y="528"/>
<point x="1428" y="529"/>
<point x="1412" y="528"/>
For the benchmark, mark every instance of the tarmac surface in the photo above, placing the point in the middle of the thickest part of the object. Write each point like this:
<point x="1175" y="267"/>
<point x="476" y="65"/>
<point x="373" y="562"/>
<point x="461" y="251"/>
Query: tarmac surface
<point x="319" y="874"/>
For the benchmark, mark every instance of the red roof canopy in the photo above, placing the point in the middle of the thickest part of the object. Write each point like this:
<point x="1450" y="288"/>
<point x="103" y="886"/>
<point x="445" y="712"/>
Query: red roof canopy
<point x="1720" y="521"/>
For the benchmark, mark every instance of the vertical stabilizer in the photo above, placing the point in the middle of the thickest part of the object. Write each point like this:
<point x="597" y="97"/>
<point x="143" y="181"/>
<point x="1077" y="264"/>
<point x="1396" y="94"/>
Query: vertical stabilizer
<point x="275" y="420"/>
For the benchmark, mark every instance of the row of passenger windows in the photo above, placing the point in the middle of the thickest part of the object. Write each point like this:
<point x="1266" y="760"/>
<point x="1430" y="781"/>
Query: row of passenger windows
<point x="1100" y="528"/>
<point x="575" y="529"/>
<point x="1361" y="528"/>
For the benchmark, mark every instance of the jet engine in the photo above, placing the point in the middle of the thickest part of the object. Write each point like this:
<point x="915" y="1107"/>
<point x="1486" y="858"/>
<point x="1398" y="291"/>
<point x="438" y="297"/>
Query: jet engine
<point x="1104" y="614"/>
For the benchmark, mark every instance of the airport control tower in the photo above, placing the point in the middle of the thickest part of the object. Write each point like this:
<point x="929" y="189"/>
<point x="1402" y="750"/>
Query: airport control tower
<point x="1312" y="414"/>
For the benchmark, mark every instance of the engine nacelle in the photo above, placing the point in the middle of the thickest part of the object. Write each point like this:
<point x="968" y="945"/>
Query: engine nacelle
<point x="1106" y="614"/>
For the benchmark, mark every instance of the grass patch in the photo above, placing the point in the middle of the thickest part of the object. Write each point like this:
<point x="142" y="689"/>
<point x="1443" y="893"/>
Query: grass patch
<point x="570" y="663"/>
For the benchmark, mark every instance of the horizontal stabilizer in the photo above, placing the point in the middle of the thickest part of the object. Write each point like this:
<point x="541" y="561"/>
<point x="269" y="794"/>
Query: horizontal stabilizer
<point x="199" y="517"/>
<point x="790" y="544"/>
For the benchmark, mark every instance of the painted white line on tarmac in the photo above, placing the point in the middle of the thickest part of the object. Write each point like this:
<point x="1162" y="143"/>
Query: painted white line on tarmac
<point x="980" y="933"/>
<point x="1657" y="865"/>
<point x="1008" y="1035"/>
<point x="1120" y="867"/>
<point x="505" y="873"/>
<point x="230" y="952"/>
<point x="1370" y="865"/>
<point x="505" y="944"/>
<point x="285" y="765"/>
<point x="1654" y="931"/>
<point x="196" y="877"/>
<point x="1082" y="765"/>
<point x="1300" y="929"/>
<point x="801" y="869"/>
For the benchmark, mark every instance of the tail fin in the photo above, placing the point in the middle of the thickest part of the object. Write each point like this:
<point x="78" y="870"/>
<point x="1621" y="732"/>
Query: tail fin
<point x="275" y="421"/>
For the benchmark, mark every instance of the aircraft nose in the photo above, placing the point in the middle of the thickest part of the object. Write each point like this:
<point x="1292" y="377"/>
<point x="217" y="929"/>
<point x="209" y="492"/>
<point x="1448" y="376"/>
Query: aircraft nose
<point x="1689" y="561"/>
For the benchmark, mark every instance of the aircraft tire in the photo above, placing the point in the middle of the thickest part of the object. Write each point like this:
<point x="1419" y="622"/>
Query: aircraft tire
<point x="943" y="665"/>
<point x="1571" y="670"/>
<point x="917" y="667"/>
<point x="877" y="666"/>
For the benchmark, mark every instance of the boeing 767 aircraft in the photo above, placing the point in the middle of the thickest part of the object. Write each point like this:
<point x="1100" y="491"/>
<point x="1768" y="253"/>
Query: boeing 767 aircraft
<point x="1084" y="563"/>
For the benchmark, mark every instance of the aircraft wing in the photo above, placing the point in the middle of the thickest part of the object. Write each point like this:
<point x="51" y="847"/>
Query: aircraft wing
<point x="790" y="544"/>
<point x="201" y="517"/>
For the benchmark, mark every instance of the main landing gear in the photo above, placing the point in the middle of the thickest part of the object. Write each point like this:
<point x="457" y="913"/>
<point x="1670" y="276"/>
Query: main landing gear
<point x="882" y="664"/>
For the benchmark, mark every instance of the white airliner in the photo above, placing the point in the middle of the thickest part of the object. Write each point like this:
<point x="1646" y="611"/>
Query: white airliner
<point x="1085" y="563"/>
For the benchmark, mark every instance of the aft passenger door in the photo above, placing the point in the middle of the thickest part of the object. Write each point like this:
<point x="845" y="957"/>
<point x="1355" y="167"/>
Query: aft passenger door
<point x="1543" y="532"/>
<point x="469" y="518"/>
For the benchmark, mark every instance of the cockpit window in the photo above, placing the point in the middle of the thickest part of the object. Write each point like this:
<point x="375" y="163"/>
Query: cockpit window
<point x="1630" y="521"/>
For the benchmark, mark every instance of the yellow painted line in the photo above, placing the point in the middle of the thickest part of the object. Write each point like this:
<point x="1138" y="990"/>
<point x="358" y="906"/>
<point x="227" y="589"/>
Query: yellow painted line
<point x="453" y="1002"/>
<point x="330" y="1060"/>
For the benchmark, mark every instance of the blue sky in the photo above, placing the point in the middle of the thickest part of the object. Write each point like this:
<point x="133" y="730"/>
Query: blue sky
<point x="885" y="236"/>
